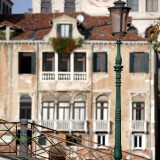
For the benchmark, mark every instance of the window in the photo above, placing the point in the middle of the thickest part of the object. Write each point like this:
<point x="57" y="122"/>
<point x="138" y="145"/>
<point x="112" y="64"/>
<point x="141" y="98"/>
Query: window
<point x="151" y="5"/>
<point x="42" y="140"/>
<point x="64" y="111"/>
<point x="138" y="141"/>
<point x="73" y="139"/>
<point x="48" y="61"/>
<point x="4" y="8"/>
<point x="80" y="62"/>
<point x="138" y="111"/>
<point x="0" y="5"/>
<point x="64" y="63"/>
<point x="69" y="6"/>
<point x="100" y="62"/>
<point x="102" y="111"/>
<point x="133" y="4"/>
<point x="48" y="109"/>
<point x="27" y="63"/>
<point x="46" y="6"/>
<point x="64" y="30"/>
<point x="139" y="62"/>
<point x="25" y="107"/>
<point x="79" y="111"/>
<point x="102" y="139"/>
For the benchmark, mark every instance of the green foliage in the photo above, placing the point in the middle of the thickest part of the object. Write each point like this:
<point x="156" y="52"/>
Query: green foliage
<point x="12" y="34"/>
<point x="65" y="45"/>
<point x="153" y="35"/>
<point x="2" y="36"/>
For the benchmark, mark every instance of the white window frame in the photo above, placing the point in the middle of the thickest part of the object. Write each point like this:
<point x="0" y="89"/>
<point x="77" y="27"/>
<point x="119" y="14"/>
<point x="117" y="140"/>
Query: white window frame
<point x="48" y="110"/>
<point x="106" y="140"/>
<point x="79" y="110"/>
<point x="143" y="136"/>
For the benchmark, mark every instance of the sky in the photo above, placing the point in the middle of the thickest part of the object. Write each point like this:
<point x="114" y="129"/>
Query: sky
<point x="21" y="6"/>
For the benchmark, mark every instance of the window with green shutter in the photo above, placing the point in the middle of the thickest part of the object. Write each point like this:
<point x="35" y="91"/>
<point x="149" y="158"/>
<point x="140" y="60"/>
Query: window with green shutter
<point x="64" y="30"/>
<point x="139" y="62"/>
<point x="27" y="63"/>
<point x="100" y="62"/>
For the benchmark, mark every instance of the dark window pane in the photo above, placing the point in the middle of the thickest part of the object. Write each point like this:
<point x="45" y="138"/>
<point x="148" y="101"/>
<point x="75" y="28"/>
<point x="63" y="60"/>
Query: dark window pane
<point x="80" y="62"/>
<point x="103" y="140"/>
<point x="140" y="141"/>
<point x="25" y="107"/>
<point x="99" y="139"/>
<point x="22" y="113"/>
<point x="138" y="111"/>
<point x="100" y="62"/>
<point x="64" y="63"/>
<point x="28" y="113"/>
<point x="26" y="62"/>
<point x="48" y="61"/>
<point x="139" y="62"/>
<point x="135" y="141"/>
<point x="42" y="140"/>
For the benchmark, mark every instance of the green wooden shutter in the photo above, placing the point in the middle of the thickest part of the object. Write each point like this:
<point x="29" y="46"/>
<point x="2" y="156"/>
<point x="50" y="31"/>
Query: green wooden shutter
<point x="94" y="62"/>
<point x="106" y="59"/>
<point x="131" y="65"/>
<point x="70" y="30"/>
<point x="146" y="60"/>
<point x="58" y="30"/>
<point x="33" y="63"/>
<point x="20" y="62"/>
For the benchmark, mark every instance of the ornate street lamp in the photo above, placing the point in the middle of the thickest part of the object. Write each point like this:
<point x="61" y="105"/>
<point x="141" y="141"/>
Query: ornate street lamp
<point x="119" y="17"/>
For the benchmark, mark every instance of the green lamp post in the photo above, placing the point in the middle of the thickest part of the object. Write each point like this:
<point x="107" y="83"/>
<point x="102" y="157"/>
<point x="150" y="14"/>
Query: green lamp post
<point x="119" y="17"/>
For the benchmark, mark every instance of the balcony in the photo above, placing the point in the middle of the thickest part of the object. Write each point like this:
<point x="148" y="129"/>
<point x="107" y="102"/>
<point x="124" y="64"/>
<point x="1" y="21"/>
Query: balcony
<point x="138" y="126"/>
<point x="65" y="125"/>
<point x="102" y="126"/>
<point x="64" y="76"/>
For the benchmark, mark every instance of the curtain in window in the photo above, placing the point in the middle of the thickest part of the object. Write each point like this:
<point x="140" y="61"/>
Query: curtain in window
<point x="151" y="5"/>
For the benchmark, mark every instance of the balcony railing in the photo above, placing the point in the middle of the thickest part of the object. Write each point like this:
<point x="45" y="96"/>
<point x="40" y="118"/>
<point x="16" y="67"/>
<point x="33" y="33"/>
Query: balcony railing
<point x="79" y="125"/>
<point x="102" y="126"/>
<point x="64" y="76"/>
<point x="65" y="125"/>
<point x="138" y="126"/>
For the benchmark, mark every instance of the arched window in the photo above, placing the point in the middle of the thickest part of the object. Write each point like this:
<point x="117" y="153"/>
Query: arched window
<point x="79" y="108"/>
<point x="25" y="107"/>
<point x="102" y="108"/>
<point x="64" y="107"/>
<point x="48" y="107"/>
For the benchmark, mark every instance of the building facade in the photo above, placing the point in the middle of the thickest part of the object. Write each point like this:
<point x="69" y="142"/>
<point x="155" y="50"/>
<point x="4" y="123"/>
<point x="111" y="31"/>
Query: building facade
<point x="143" y="12"/>
<point x="74" y="91"/>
